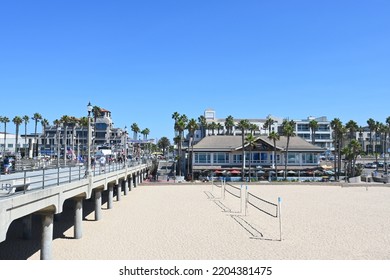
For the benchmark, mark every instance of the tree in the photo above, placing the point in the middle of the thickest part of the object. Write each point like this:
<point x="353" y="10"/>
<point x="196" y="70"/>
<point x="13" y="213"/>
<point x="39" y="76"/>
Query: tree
<point x="313" y="124"/>
<point x="17" y="121"/>
<point x="229" y="124"/>
<point x="212" y="126"/>
<point x="243" y="125"/>
<point x="37" y="117"/>
<point x="180" y="126"/>
<point x="4" y="120"/>
<point x="338" y="131"/>
<point x="192" y="126"/>
<point x="26" y="119"/>
<point x="251" y="142"/>
<point x="163" y="144"/>
<point x="219" y="127"/>
<point x="352" y="127"/>
<point x="145" y="132"/>
<point x="65" y="120"/>
<point x="288" y="128"/>
<point x="203" y="125"/>
<point x="253" y="128"/>
<point x="135" y="128"/>
<point x="351" y="152"/>
<point x="274" y="136"/>
<point x="371" y="126"/>
<point x="44" y="124"/>
<point x="268" y="124"/>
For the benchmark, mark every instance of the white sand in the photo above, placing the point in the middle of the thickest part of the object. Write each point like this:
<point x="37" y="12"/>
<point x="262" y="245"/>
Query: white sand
<point x="179" y="222"/>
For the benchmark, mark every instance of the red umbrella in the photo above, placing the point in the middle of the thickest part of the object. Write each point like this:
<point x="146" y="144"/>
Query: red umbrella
<point x="235" y="172"/>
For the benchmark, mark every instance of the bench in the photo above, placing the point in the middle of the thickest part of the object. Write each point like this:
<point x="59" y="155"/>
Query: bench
<point x="16" y="186"/>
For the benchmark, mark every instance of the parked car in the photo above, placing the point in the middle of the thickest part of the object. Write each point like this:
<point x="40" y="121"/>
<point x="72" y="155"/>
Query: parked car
<point x="370" y="165"/>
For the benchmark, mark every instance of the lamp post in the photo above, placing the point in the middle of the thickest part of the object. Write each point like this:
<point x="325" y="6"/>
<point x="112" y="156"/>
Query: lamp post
<point x="89" y="108"/>
<point x="58" y="146"/>
<point x="125" y="147"/>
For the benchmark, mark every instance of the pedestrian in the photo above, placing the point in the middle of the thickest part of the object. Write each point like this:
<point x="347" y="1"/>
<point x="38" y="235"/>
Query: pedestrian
<point x="103" y="163"/>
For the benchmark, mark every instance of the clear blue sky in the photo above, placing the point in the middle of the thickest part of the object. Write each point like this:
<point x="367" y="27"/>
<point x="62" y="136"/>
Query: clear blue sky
<point x="144" y="60"/>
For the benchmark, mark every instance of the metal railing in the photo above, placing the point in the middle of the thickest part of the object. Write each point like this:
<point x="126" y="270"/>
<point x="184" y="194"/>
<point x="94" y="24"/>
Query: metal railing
<point x="21" y="182"/>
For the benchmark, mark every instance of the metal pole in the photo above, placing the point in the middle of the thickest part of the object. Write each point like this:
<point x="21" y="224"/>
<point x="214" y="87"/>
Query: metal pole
<point x="89" y="145"/>
<point x="280" y="217"/>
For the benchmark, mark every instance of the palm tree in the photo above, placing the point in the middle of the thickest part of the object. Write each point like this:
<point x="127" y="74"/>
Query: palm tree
<point x="229" y="124"/>
<point x="180" y="126"/>
<point x="253" y="128"/>
<point x="96" y="113"/>
<point x="274" y="136"/>
<point x="163" y="144"/>
<point x="135" y="129"/>
<point x="37" y="117"/>
<point x="145" y="132"/>
<point x="268" y="124"/>
<point x="351" y="152"/>
<point x="58" y="123"/>
<point x="65" y="120"/>
<point x="203" y="125"/>
<point x="251" y="142"/>
<point x="288" y="128"/>
<point x="352" y="128"/>
<point x="17" y="121"/>
<point x="219" y="127"/>
<point x="313" y="124"/>
<point x="4" y="120"/>
<point x="371" y="126"/>
<point x="388" y="133"/>
<point x="212" y="126"/>
<point x="44" y="124"/>
<point x="192" y="126"/>
<point x="243" y="125"/>
<point x="26" y="119"/>
<point x="338" y="130"/>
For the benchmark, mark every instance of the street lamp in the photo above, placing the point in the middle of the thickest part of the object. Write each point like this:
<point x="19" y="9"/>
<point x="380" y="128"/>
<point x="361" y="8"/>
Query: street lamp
<point x="89" y="108"/>
<point x="125" y="147"/>
<point x="58" y="146"/>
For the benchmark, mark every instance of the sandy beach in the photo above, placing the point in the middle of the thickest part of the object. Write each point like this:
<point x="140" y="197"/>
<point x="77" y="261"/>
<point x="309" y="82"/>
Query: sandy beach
<point x="181" y="222"/>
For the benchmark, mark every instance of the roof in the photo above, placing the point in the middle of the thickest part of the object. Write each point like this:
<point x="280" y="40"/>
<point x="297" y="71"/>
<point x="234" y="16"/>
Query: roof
<point x="230" y="143"/>
<point x="218" y="143"/>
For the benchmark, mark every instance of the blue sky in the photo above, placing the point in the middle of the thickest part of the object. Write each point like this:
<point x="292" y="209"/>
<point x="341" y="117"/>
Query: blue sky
<point x="144" y="60"/>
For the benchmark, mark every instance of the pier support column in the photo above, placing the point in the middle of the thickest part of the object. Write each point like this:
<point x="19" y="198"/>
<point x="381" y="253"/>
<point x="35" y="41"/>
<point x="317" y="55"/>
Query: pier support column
<point x="135" y="180"/>
<point x="27" y="227"/>
<point x="110" y="201"/>
<point x="47" y="235"/>
<point x="119" y="192"/>
<point x="125" y="186"/>
<point x="130" y="183"/>
<point x="98" y="205"/>
<point x="78" y="218"/>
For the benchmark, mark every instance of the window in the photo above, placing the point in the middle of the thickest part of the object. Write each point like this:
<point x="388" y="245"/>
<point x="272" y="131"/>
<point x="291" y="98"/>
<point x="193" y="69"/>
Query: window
<point x="202" y="158"/>
<point x="237" y="158"/>
<point x="308" y="158"/>
<point x="323" y="127"/>
<point x="303" y="127"/>
<point x="221" y="158"/>
<point x="304" y="135"/>
<point x="293" y="158"/>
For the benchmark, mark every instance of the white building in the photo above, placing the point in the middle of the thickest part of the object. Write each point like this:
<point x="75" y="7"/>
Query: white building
<point x="9" y="147"/>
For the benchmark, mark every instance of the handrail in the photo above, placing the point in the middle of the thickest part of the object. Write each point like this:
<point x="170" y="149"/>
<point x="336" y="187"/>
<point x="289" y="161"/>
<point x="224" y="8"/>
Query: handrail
<point x="48" y="177"/>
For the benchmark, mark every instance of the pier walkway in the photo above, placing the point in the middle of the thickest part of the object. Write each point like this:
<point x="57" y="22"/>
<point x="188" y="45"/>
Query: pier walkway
<point x="44" y="192"/>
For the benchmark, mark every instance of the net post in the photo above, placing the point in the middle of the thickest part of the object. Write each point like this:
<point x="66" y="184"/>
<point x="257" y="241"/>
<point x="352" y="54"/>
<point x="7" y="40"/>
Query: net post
<point x="280" y="217"/>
